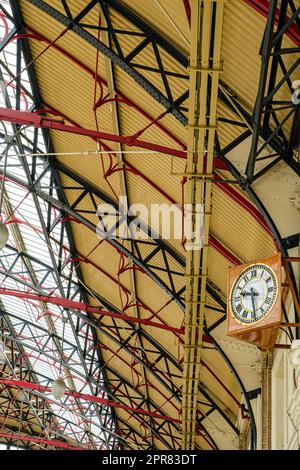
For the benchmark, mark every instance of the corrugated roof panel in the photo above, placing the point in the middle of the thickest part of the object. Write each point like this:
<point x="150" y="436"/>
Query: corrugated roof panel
<point x="68" y="88"/>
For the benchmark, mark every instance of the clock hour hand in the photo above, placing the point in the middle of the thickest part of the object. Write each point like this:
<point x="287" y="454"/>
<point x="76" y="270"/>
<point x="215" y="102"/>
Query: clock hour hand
<point x="252" y="293"/>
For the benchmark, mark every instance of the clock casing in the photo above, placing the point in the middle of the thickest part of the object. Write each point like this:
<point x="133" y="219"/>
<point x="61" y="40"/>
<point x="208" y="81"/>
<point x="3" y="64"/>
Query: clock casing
<point x="254" y="301"/>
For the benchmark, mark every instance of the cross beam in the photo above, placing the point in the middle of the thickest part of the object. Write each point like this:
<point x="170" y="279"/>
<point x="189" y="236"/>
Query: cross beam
<point x="91" y="398"/>
<point x="33" y="119"/>
<point x="75" y="305"/>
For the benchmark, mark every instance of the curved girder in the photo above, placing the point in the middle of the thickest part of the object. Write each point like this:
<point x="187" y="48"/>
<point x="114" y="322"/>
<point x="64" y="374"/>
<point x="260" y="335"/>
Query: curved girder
<point x="28" y="371"/>
<point x="48" y="414"/>
<point x="271" y="224"/>
<point x="178" y="258"/>
<point x="154" y="343"/>
<point x="68" y="343"/>
<point x="36" y="97"/>
<point x="174" y="53"/>
<point x="18" y="404"/>
<point x="64" y="207"/>
<point x="34" y="281"/>
<point x="34" y="348"/>
<point x="162" y="244"/>
<point x="118" y="59"/>
<point x="151" y="37"/>
<point x="73" y="24"/>
<point x="21" y="342"/>
<point x="94" y="324"/>
<point x="122" y="379"/>
<point x="90" y="321"/>
<point x="257" y="202"/>
<point x="242" y="387"/>
<point x="183" y="61"/>
<point x="150" y="339"/>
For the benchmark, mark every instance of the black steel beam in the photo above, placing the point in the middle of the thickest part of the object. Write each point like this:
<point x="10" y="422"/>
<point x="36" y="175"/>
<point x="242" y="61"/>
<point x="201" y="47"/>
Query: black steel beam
<point x="44" y="2"/>
<point x="114" y="57"/>
<point x="274" y="75"/>
<point x="292" y="241"/>
<point x="17" y="17"/>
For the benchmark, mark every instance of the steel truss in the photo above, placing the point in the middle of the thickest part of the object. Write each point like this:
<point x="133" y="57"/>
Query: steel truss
<point x="276" y="118"/>
<point x="48" y="271"/>
<point x="27" y="342"/>
<point x="226" y="96"/>
<point x="152" y="40"/>
<point x="161" y="354"/>
<point x="104" y="414"/>
<point x="160" y="248"/>
<point x="53" y="195"/>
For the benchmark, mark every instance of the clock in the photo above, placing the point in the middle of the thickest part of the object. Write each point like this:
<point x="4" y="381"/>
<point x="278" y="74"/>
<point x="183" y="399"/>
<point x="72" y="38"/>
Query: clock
<point x="254" y="301"/>
<point x="254" y="293"/>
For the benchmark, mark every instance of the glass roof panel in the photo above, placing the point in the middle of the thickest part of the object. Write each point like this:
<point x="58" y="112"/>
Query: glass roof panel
<point x="29" y="264"/>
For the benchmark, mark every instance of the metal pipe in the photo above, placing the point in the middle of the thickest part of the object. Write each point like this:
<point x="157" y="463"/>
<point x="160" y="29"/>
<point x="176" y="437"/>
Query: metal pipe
<point x="32" y="119"/>
<point x="74" y="305"/>
<point x="83" y="396"/>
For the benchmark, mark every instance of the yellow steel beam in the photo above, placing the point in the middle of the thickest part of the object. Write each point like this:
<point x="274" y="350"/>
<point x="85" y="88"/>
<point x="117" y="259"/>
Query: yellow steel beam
<point x="266" y="399"/>
<point x="205" y="64"/>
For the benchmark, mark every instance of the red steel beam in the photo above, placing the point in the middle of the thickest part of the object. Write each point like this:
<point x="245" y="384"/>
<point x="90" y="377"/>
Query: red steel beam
<point x="40" y="440"/>
<point x="233" y="194"/>
<point x="137" y="387"/>
<point x="83" y="259"/>
<point x="215" y="243"/>
<point x="38" y="36"/>
<point x="221" y="383"/>
<point x="24" y="118"/>
<point x="245" y="204"/>
<point x="21" y="117"/>
<point x="5" y="24"/>
<point x="90" y="398"/>
<point x="262" y="7"/>
<point x="218" y="163"/>
<point x="220" y="248"/>
<point x="83" y="307"/>
<point x="32" y="119"/>
<point x="74" y="305"/>
<point x="187" y="7"/>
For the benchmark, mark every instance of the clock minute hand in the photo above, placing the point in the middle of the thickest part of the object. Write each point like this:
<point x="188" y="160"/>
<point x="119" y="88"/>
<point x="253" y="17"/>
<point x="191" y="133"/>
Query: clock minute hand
<point x="252" y="293"/>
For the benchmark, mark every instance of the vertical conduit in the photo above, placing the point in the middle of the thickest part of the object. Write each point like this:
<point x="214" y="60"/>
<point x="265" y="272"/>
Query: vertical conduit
<point x="204" y="71"/>
<point x="266" y="399"/>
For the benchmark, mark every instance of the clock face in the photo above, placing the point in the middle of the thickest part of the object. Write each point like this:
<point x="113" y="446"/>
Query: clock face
<point x="254" y="293"/>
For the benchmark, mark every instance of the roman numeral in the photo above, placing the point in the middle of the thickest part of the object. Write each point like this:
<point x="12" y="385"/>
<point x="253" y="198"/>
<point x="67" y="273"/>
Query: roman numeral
<point x="268" y="300"/>
<point x="270" y="289"/>
<point x="246" y="278"/>
<point x="238" y="308"/>
<point x="245" y="314"/>
<point x="268" y="279"/>
<point x="253" y="273"/>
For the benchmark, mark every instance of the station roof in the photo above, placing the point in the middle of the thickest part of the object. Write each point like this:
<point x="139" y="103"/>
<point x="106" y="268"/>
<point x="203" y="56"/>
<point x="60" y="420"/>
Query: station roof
<point x="117" y="72"/>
